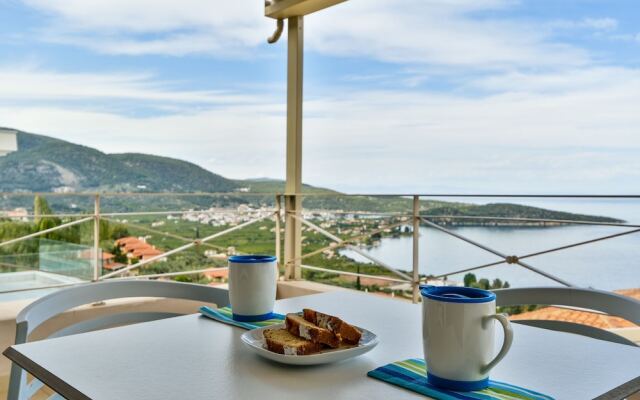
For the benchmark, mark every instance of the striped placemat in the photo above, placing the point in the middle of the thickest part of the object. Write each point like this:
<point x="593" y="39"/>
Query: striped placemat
<point x="224" y="315"/>
<point x="411" y="374"/>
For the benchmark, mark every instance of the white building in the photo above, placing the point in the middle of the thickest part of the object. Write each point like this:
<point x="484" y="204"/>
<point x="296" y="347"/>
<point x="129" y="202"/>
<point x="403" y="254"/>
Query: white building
<point x="8" y="141"/>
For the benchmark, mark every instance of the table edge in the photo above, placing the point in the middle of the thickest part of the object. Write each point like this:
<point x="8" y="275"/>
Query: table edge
<point x="66" y="390"/>
<point x="623" y="391"/>
<point x="54" y="382"/>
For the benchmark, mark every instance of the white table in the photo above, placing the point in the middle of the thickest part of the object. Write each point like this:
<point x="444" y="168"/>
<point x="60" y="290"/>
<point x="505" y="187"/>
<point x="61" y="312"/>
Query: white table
<point x="192" y="357"/>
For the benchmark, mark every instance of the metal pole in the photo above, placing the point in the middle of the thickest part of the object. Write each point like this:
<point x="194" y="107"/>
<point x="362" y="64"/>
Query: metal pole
<point x="181" y="248"/>
<point x="293" y="201"/>
<point x="277" y="228"/>
<point x="499" y="254"/>
<point x="97" y="259"/>
<point x="354" y="249"/>
<point x="416" y="247"/>
<point x="44" y="232"/>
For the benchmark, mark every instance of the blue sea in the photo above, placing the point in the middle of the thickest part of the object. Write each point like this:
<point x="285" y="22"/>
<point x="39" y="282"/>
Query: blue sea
<point x="610" y="264"/>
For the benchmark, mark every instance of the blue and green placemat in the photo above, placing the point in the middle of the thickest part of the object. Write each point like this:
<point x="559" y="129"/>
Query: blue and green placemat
<point x="411" y="374"/>
<point x="224" y="315"/>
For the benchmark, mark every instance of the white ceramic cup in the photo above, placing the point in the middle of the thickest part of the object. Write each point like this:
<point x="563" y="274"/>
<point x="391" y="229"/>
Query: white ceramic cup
<point x="252" y="287"/>
<point x="458" y="331"/>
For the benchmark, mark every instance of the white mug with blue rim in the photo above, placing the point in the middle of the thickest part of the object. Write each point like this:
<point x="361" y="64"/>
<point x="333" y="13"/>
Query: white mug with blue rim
<point x="458" y="331"/>
<point x="252" y="287"/>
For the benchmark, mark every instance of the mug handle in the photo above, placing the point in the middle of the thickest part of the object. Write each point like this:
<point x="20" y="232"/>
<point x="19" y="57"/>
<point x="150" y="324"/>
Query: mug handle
<point x="506" y="345"/>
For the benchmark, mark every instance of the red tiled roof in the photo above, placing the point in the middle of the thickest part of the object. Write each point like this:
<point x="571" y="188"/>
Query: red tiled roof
<point x="133" y="246"/>
<point x="113" y="266"/>
<point x="137" y="248"/>
<point x="217" y="273"/>
<point x="581" y="317"/>
<point x="128" y="239"/>
<point x="147" y="252"/>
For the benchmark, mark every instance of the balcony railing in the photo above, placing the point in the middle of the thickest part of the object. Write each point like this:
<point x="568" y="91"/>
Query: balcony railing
<point x="414" y="217"/>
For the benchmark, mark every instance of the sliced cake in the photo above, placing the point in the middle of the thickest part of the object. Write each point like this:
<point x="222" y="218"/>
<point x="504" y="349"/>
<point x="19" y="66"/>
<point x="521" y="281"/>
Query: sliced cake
<point x="299" y="326"/>
<point x="284" y="342"/>
<point x="344" y="331"/>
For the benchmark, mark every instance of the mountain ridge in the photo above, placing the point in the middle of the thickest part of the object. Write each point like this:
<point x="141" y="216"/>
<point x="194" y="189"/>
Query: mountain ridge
<point x="46" y="164"/>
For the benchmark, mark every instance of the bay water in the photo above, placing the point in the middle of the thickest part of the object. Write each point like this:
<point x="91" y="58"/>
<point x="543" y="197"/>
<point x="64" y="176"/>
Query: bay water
<point x="610" y="264"/>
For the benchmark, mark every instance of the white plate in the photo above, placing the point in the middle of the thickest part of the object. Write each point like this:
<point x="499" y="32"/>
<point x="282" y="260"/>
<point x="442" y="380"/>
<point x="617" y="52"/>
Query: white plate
<point x="255" y="341"/>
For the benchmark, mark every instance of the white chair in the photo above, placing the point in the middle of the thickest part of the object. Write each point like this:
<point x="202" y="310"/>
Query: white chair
<point x="56" y="303"/>
<point x="589" y="299"/>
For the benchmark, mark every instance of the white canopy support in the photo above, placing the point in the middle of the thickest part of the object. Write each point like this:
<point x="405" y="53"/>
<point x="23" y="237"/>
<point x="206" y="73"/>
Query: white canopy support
<point x="280" y="9"/>
<point x="294" y="11"/>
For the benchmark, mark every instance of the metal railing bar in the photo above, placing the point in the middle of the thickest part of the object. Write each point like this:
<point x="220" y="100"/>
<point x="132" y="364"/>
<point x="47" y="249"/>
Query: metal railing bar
<point x="306" y="194"/>
<point x="350" y="240"/>
<point x="62" y="285"/>
<point x="333" y="271"/>
<point x="432" y="216"/>
<point x="524" y="196"/>
<point x="134" y="194"/>
<point x="545" y="274"/>
<point x="472" y="269"/>
<point x="167" y="234"/>
<point x="463" y="238"/>
<point x="564" y="221"/>
<point x="497" y="253"/>
<point x="579" y="244"/>
<point x="15" y="266"/>
<point x="130" y="213"/>
<point x="182" y="248"/>
<point x="379" y="262"/>
<point x="31" y="216"/>
<point x="170" y="274"/>
<point x="44" y="232"/>
<point x="353" y="248"/>
<point x="133" y="213"/>
<point x="340" y="212"/>
<point x="541" y="252"/>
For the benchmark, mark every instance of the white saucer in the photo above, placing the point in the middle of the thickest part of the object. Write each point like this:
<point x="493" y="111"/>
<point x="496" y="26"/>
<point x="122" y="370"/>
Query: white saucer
<point x="255" y="341"/>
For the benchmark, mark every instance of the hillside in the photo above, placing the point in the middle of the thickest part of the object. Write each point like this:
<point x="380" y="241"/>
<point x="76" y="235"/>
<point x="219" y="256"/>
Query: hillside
<point x="45" y="164"/>
<point x="263" y="185"/>
<point x="325" y="199"/>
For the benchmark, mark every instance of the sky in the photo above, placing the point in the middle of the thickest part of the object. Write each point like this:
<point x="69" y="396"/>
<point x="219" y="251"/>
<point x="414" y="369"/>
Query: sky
<point x="405" y="96"/>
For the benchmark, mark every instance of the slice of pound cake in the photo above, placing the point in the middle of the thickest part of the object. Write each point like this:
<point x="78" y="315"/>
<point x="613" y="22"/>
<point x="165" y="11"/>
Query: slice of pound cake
<point x="299" y="326"/>
<point x="284" y="342"/>
<point x="344" y="331"/>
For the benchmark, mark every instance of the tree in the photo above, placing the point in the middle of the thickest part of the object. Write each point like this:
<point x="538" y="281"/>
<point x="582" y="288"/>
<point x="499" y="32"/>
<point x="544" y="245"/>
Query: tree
<point x="484" y="284"/>
<point x="41" y="209"/>
<point x="469" y="279"/>
<point x="118" y="255"/>
<point x="119" y="231"/>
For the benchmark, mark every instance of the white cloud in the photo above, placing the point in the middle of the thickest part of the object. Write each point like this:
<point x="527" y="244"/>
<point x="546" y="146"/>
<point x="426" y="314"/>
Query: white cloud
<point x="30" y="83"/>
<point x="419" y="31"/>
<point x="156" y="26"/>
<point x="438" y="33"/>
<point x="606" y="24"/>
<point x="577" y="137"/>
<point x="568" y="126"/>
<point x="598" y="24"/>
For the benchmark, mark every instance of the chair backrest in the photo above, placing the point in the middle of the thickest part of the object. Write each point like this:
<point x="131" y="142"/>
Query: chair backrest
<point x="56" y="303"/>
<point x="589" y="299"/>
